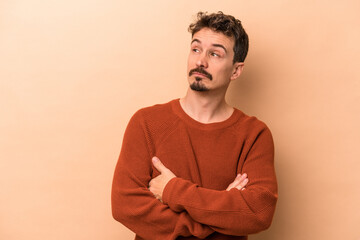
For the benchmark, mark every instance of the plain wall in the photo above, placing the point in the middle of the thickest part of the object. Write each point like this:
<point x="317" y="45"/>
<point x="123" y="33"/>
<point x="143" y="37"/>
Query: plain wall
<point x="73" y="72"/>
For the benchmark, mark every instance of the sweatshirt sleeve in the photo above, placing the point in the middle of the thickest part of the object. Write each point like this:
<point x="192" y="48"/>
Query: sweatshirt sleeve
<point x="134" y="205"/>
<point x="234" y="212"/>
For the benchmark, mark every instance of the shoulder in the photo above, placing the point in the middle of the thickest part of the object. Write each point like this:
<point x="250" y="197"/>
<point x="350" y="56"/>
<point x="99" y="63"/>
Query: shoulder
<point x="157" y="112"/>
<point x="250" y="121"/>
<point x="154" y="111"/>
<point x="156" y="117"/>
<point x="251" y="126"/>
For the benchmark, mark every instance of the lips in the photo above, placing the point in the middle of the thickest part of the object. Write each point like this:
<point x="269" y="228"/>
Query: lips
<point x="199" y="74"/>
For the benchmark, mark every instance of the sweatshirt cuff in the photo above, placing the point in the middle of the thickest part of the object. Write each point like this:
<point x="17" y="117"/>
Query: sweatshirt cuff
<point x="171" y="193"/>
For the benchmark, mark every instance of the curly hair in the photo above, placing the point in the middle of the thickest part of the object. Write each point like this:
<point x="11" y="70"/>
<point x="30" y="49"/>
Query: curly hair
<point x="227" y="25"/>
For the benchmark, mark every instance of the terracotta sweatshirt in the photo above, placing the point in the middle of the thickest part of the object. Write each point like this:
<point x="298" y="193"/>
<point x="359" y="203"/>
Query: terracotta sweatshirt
<point x="205" y="158"/>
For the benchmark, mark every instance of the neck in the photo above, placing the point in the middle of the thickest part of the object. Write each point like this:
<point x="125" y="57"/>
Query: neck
<point x="206" y="107"/>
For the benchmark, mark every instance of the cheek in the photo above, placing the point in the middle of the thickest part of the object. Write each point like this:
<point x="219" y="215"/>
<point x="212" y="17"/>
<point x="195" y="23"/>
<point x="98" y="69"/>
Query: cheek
<point x="222" y="73"/>
<point x="228" y="71"/>
<point x="190" y="61"/>
<point x="190" y="65"/>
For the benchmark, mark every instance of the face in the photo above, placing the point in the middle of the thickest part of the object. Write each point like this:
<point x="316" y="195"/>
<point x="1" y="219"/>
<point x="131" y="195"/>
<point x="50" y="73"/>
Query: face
<point x="210" y="61"/>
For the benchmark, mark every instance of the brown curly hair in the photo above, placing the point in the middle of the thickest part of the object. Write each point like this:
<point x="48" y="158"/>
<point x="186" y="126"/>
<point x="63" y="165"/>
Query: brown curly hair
<point x="229" y="26"/>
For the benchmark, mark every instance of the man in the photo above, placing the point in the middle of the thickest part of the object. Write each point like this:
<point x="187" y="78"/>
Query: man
<point x="197" y="168"/>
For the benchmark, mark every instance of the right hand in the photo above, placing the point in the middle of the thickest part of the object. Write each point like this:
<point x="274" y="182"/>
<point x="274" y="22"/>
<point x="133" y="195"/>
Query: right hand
<point x="240" y="182"/>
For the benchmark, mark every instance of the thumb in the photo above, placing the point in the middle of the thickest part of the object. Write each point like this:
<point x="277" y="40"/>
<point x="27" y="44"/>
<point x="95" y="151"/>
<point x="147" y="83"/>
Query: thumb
<point x="158" y="164"/>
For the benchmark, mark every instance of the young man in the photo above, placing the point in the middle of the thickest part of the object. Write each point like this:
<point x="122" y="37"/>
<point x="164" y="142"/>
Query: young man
<point x="195" y="167"/>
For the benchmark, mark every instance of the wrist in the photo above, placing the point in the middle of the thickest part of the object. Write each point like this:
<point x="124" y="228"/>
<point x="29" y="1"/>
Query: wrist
<point x="166" y="195"/>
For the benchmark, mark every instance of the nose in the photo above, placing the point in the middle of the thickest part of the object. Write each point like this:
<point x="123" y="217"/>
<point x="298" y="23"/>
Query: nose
<point x="202" y="61"/>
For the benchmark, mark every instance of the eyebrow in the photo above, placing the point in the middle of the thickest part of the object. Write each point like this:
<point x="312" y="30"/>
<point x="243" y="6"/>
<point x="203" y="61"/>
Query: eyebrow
<point x="215" y="44"/>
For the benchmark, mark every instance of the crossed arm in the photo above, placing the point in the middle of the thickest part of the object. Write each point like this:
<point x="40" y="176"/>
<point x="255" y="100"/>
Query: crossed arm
<point x="157" y="184"/>
<point x="231" y="212"/>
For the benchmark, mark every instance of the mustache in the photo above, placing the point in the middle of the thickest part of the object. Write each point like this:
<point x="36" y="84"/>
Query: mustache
<point x="202" y="71"/>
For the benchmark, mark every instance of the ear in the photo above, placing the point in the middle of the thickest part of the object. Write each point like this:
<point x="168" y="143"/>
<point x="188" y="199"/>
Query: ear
<point x="237" y="70"/>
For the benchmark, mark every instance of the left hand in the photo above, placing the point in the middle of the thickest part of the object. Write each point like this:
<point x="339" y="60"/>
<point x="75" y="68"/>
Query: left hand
<point x="157" y="184"/>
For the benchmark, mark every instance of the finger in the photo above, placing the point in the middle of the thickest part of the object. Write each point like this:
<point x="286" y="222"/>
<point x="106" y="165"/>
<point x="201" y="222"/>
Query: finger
<point x="242" y="184"/>
<point x="236" y="182"/>
<point x="158" y="165"/>
<point x="150" y="183"/>
<point x="242" y="177"/>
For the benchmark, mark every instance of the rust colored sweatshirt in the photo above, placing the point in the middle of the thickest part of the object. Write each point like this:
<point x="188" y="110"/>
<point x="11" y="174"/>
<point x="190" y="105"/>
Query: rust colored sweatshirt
<point x="205" y="158"/>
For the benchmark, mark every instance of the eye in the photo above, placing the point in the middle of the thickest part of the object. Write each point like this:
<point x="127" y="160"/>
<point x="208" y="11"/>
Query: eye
<point x="195" y="50"/>
<point x="214" y="54"/>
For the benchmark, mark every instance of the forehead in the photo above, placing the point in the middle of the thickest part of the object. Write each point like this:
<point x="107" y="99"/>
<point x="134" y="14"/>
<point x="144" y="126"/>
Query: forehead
<point x="206" y="36"/>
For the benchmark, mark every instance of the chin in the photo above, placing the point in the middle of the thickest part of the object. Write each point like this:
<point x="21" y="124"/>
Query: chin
<point x="198" y="86"/>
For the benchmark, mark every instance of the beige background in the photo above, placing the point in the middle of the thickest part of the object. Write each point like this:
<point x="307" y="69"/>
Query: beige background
<point x="73" y="72"/>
